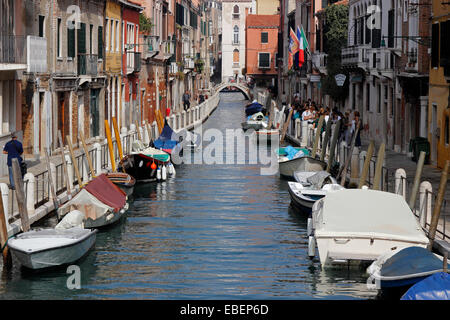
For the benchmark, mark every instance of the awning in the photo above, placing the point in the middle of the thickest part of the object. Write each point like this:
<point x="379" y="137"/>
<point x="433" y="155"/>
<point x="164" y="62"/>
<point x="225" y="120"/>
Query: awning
<point x="162" y="56"/>
<point x="357" y="78"/>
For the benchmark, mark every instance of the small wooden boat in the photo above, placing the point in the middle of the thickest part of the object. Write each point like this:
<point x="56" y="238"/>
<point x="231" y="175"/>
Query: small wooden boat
<point x="38" y="249"/>
<point x="101" y="202"/>
<point x="310" y="187"/>
<point x="353" y="227"/>
<point x="435" y="287"/>
<point x="306" y="163"/>
<point x="404" y="267"/>
<point x="123" y="180"/>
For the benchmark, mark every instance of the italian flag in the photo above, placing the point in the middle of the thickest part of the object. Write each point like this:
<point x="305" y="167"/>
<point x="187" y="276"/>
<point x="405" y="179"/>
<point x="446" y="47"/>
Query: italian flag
<point x="303" y="46"/>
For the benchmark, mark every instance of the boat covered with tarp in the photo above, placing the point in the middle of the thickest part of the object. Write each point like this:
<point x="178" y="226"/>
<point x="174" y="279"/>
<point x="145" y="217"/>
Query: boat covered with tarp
<point x="167" y="140"/>
<point x="291" y="160"/>
<point x="256" y="121"/>
<point x="353" y="227"/>
<point x="404" y="267"/>
<point x="123" y="180"/>
<point x="101" y="202"/>
<point x="434" y="287"/>
<point x="253" y="108"/>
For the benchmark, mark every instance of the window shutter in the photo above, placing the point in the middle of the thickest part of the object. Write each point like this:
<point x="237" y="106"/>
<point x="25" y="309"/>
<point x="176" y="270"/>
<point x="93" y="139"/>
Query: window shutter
<point x="100" y="42"/>
<point x="445" y="46"/>
<point x="82" y="38"/>
<point x="435" y="45"/>
<point x="391" y="21"/>
<point x="70" y="43"/>
<point x="368" y="32"/>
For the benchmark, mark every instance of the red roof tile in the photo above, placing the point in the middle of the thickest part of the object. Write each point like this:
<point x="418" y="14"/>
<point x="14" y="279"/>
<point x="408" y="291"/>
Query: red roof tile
<point x="259" y="20"/>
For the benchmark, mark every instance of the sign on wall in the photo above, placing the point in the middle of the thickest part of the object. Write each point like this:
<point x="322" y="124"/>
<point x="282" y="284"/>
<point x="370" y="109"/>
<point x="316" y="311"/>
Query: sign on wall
<point x="340" y="79"/>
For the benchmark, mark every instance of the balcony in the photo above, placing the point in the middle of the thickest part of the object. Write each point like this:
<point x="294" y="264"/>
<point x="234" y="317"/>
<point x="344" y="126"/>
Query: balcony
<point x="87" y="64"/>
<point x="150" y="46"/>
<point x="13" y="52"/>
<point x="189" y="63"/>
<point x="319" y="61"/>
<point x="133" y="62"/>
<point x="354" y="57"/>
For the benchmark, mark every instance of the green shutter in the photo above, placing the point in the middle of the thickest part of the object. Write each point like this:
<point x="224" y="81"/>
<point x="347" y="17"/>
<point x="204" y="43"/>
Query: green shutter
<point x="100" y="42"/>
<point x="81" y="33"/>
<point x="71" y="42"/>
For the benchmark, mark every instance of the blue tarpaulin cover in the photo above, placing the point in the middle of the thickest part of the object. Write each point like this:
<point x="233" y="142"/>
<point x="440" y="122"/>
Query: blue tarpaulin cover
<point x="165" y="141"/>
<point x="435" y="287"/>
<point x="409" y="261"/>
<point x="253" y="108"/>
<point x="293" y="153"/>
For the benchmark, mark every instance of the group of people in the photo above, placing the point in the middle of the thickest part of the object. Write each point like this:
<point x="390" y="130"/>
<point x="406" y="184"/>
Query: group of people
<point x="311" y="112"/>
<point x="187" y="99"/>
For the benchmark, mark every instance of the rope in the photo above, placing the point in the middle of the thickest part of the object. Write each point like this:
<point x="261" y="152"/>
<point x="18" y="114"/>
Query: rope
<point x="6" y="243"/>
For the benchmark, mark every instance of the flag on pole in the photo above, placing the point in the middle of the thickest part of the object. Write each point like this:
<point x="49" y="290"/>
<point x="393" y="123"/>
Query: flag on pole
<point x="293" y="48"/>
<point x="303" y="46"/>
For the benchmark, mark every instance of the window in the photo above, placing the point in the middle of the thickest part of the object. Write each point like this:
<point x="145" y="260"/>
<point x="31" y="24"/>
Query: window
<point x="264" y="37"/>
<point x="41" y="26"/>
<point x="368" y="97"/>
<point x="193" y="18"/>
<point x="235" y="56"/>
<point x="71" y="42"/>
<point x="91" y="34"/>
<point x="391" y="25"/>
<point x="108" y="26"/>
<point x="435" y="45"/>
<point x="58" y="38"/>
<point x="446" y="130"/>
<point x="236" y="12"/>
<point x="117" y="36"/>
<point x="111" y="36"/>
<point x="379" y="99"/>
<point x="444" y="60"/>
<point x="180" y="14"/>
<point x="264" y="60"/>
<point x="100" y="42"/>
<point x="236" y="35"/>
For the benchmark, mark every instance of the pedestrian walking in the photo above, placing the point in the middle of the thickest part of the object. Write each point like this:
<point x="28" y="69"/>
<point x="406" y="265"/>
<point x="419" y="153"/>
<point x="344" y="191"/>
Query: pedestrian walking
<point x="14" y="149"/>
<point x="186" y="100"/>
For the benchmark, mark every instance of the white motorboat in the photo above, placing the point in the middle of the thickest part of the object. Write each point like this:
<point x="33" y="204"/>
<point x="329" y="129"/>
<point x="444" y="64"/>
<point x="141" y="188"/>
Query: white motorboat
<point x="310" y="187"/>
<point x="306" y="164"/>
<point x="356" y="226"/>
<point x="37" y="249"/>
<point x="256" y="122"/>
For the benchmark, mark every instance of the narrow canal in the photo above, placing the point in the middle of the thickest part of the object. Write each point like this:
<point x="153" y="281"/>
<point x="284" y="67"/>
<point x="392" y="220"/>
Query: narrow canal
<point x="213" y="232"/>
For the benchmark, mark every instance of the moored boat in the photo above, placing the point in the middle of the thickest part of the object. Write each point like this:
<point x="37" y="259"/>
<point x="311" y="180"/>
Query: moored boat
<point x="256" y="121"/>
<point x="434" y="287"/>
<point x="38" y="249"/>
<point x="306" y="163"/>
<point x="124" y="181"/>
<point x="268" y="135"/>
<point x="404" y="267"/>
<point x="353" y="227"/>
<point x="101" y="202"/>
<point x="310" y="187"/>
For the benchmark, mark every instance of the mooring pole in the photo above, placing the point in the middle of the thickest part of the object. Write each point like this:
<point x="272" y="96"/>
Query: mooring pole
<point x="88" y="157"/>
<point x="7" y="260"/>
<point x="438" y="205"/>
<point x="349" y="156"/>
<point x="66" y="172"/>
<point x="20" y="194"/>
<point x="325" y="140"/>
<point x="286" y="125"/>
<point x="334" y="140"/>
<point x="365" y="171"/>
<point x="379" y="167"/>
<point x="74" y="161"/>
<point x="415" y="188"/>
<point x="119" y="142"/>
<point x="110" y="146"/>
<point x="50" y="180"/>
<point x="136" y="123"/>
<point x="317" y="137"/>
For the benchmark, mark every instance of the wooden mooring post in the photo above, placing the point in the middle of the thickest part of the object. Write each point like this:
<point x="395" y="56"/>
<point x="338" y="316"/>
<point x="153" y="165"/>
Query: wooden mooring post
<point x="110" y="146"/>
<point x="325" y="140"/>
<point x="438" y="205"/>
<point x="138" y="131"/>
<point x="286" y="125"/>
<point x="74" y="161"/>
<point x="66" y="172"/>
<point x="50" y="180"/>
<point x="379" y="168"/>
<point x="415" y="188"/>
<point x="119" y="142"/>
<point x="343" y="173"/>
<point x="317" y="137"/>
<point x="7" y="260"/>
<point x="20" y="195"/>
<point x="334" y="140"/>
<point x="365" y="171"/>
<point x="86" y="152"/>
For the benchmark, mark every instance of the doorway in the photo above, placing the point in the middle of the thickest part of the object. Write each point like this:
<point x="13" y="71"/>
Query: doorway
<point x="94" y="112"/>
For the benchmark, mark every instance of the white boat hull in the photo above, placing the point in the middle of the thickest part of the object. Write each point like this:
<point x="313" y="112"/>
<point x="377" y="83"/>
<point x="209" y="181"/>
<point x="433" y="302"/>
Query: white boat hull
<point x="288" y="168"/>
<point x="54" y="256"/>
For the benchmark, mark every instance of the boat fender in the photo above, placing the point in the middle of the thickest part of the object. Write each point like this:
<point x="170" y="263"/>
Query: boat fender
<point x="171" y="169"/>
<point x="174" y="172"/>
<point x="109" y="217"/>
<point x="309" y="227"/>
<point x="164" y="173"/>
<point x="311" y="247"/>
<point x="141" y="163"/>
<point x="158" y="174"/>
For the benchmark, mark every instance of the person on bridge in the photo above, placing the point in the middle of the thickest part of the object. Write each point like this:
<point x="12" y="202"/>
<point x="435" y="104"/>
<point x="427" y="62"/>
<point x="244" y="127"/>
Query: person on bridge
<point x="13" y="149"/>
<point x="186" y="100"/>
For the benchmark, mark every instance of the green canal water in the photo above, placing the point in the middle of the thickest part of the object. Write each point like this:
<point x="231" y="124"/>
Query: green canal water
<point x="213" y="232"/>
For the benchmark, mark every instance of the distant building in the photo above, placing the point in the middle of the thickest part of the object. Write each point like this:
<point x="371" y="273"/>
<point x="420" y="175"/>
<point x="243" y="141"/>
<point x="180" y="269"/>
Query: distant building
<point x="439" y="97"/>
<point x="262" y="48"/>
<point x="233" y="38"/>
